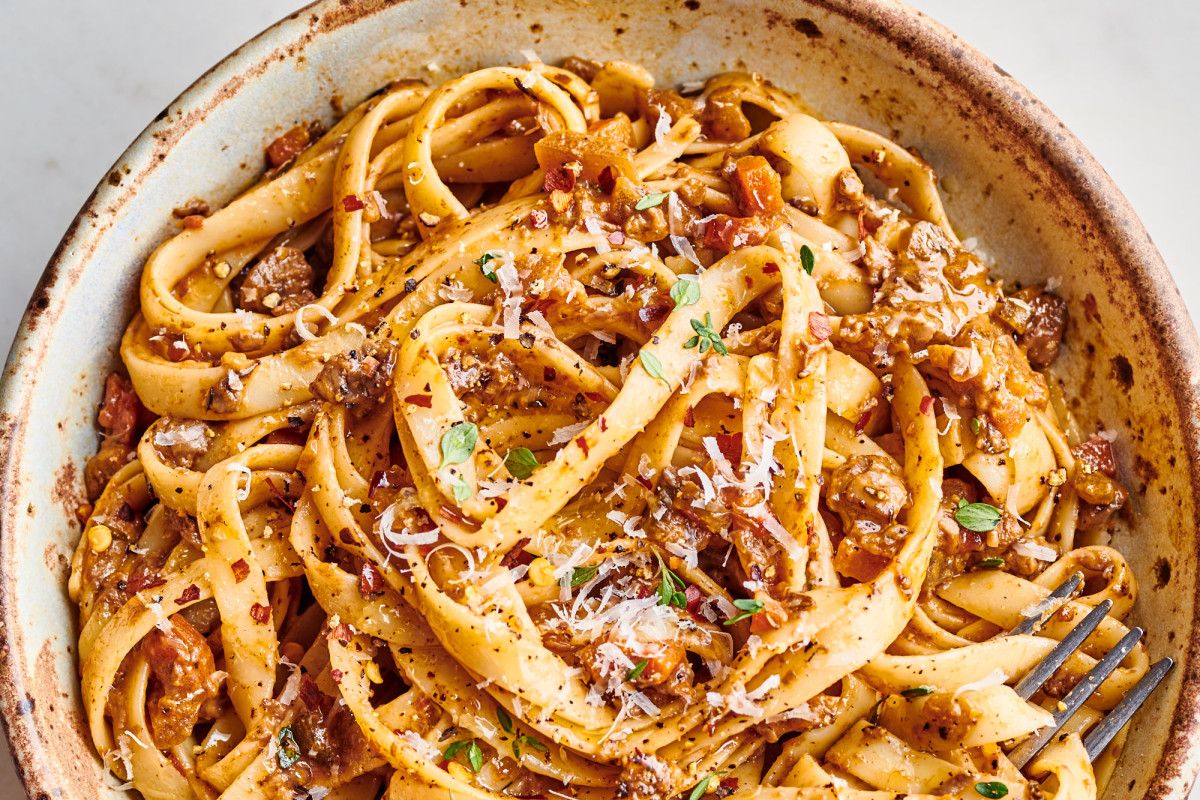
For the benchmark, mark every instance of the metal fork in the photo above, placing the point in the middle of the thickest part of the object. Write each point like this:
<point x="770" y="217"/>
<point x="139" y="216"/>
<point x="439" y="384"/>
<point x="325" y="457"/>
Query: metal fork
<point x="1104" y="731"/>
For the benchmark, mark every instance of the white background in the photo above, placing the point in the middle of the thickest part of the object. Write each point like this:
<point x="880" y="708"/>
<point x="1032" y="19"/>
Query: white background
<point x="79" y="80"/>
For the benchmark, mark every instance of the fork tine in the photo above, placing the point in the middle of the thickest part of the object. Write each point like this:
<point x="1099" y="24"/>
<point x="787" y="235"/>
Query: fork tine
<point x="1113" y="721"/>
<point x="1075" y="698"/>
<point x="1042" y="671"/>
<point x="1048" y="605"/>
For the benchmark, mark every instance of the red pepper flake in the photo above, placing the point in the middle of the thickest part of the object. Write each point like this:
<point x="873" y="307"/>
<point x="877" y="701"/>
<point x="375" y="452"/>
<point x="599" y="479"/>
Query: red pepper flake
<point x="346" y="536"/>
<point x="689" y="417"/>
<point x="260" y="613"/>
<point x="561" y="201"/>
<point x="771" y="268"/>
<point x="341" y="632"/>
<point x="280" y="497"/>
<point x="422" y="400"/>
<point x="336" y="675"/>
<point x="192" y="222"/>
<point x="353" y="202"/>
<point x="144" y="582"/>
<point x="645" y="482"/>
<point x="653" y="313"/>
<point x="607" y="180"/>
<point x="558" y="180"/>
<point x="289" y="145"/>
<point x="549" y="373"/>
<point x="517" y="555"/>
<point x="501" y="503"/>
<point x="539" y="219"/>
<point x="818" y="326"/>
<point x="730" y="445"/>
<point x="616" y="238"/>
<point x="927" y="406"/>
<point x="313" y="697"/>
<point x="370" y="580"/>
<point x="730" y="783"/>
<point x="694" y="598"/>
<point x="582" y="442"/>
<point x="603" y="424"/>
<point x="241" y="570"/>
<point x="595" y="397"/>
<point x="189" y="595"/>
<point x="749" y="282"/>
<point x="861" y="425"/>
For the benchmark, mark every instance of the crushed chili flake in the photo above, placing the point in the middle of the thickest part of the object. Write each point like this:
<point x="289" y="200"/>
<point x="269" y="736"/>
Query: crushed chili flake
<point x="422" y="400"/>
<point x="501" y="503"/>
<point x="517" y="555"/>
<point x="595" y="397"/>
<point x="288" y="145"/>
<point x="260" y="613"/>
<point x="653" y="313"/>
<point x="241" y="570"/>
<point x="353" y="202"/>
<point x="539" y="219"/>
<point x="370" y="580"/>
<point x="818" y="326"/>
<point x="861" y="425"/>
<point x="561" y="201"/>
<point x="583" y="444"/>
<point x="607" y="180"/>
<point x="558" y="179"/>
<point x="730" y="445"/>
<point x="927" y="406"/>
<point x="603" y="424"/>
<point x="189" y="595"/>
<point x="336" y="675"/>
<point x="279" y="495"/>
<point x="645" y="482"/>
<point x="313" y="697"/>
<point x="346" y="536"/>
<point x="689" y="417"/>
<point x="142" y="582"/>
<point x="549" y="373"/>
<point x="341" y="632"/>
<point x="771" y="268"/>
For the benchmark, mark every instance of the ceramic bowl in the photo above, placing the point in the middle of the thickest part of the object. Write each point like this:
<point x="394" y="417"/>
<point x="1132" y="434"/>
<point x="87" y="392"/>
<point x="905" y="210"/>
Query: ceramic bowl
<point x="1012" y="175"/>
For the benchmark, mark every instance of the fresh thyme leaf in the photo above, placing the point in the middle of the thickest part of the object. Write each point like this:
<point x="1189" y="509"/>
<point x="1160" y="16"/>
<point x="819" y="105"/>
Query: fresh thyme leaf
<point x="992" y="789"/>
<point x="461" y="489"/>
<point x="651" y="200"/>
<point x="637" y="670"/>
<point x="475" y="756"/>
<point x="979" y="517"/>
<point x="456" y="748"/>
<point x="685" y="292"/>
<point x="807" y="259"/>
<point x="289" y="750"/>
<point x="582" y="575"/>
<point x="670" y="589"/>
<point x="748" y="608"/>
<point x="536" y="744"/>
<point x="705" y="336"/>
<point x="458" y="443"/>
<point x="506" y="722"/>
<point x="701" y="788"/>
<point x="652" y="365"/>
<point x="991" y="563"/>
<point x="521" y="462"/>
<point x="917" y="691"/>
<point x="482" y="263"/>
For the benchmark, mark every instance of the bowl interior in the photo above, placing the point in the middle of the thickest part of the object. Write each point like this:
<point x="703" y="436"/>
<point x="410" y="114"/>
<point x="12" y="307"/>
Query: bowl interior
<point x="1011" y="175"/>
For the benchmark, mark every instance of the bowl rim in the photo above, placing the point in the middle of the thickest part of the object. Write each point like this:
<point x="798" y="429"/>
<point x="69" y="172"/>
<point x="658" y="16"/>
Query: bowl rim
<point x="916" y="35"/>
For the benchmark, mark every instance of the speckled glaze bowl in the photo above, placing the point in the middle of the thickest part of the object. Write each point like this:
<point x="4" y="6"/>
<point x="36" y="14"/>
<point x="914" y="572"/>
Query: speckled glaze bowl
<point x="1013" y="176"/>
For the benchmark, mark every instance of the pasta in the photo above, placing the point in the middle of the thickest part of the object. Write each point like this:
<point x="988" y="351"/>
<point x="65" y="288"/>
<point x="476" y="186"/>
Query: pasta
<point x="545" y="433"/>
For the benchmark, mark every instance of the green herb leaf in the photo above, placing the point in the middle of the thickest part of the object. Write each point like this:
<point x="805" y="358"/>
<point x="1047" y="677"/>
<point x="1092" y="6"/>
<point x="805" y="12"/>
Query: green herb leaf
<point x="748" y="608"/>
<point x="521" y="462"/>
<point x="992" y="789"/>
<point x="482" y="261"/>
<point x="991" y="563"/>
<point x="652" y="365"/>
<point x="705" y="336"/>
<point x="505" y="720"/>
<point x="582" y="575"/>
<point x="458" y="443"/>
<point x="807" y="259"/>
<point x="686" y="292"/>
<point x="289" y="751"/>
<point x="536" y="744"/>
<point x="455" y="749"/>
<point x="461" y="489"/>
<point x="976" y="425"/>
<point x="651" y="200"/>
<point x="701" y="788"/>
<point x="637" y="670"/>
<point x="979" y="517"/>
<point x="475" y="756"/>
<point x="916" y="691"/>
<point x="670" y="589"/>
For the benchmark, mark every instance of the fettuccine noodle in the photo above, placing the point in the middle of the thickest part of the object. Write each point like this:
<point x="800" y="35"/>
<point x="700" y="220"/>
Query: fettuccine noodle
<point x="547" y="434"/>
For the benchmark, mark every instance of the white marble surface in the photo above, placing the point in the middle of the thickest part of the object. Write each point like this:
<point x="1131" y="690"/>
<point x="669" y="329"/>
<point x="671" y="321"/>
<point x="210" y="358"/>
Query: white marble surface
<point x="79" y="80"/>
